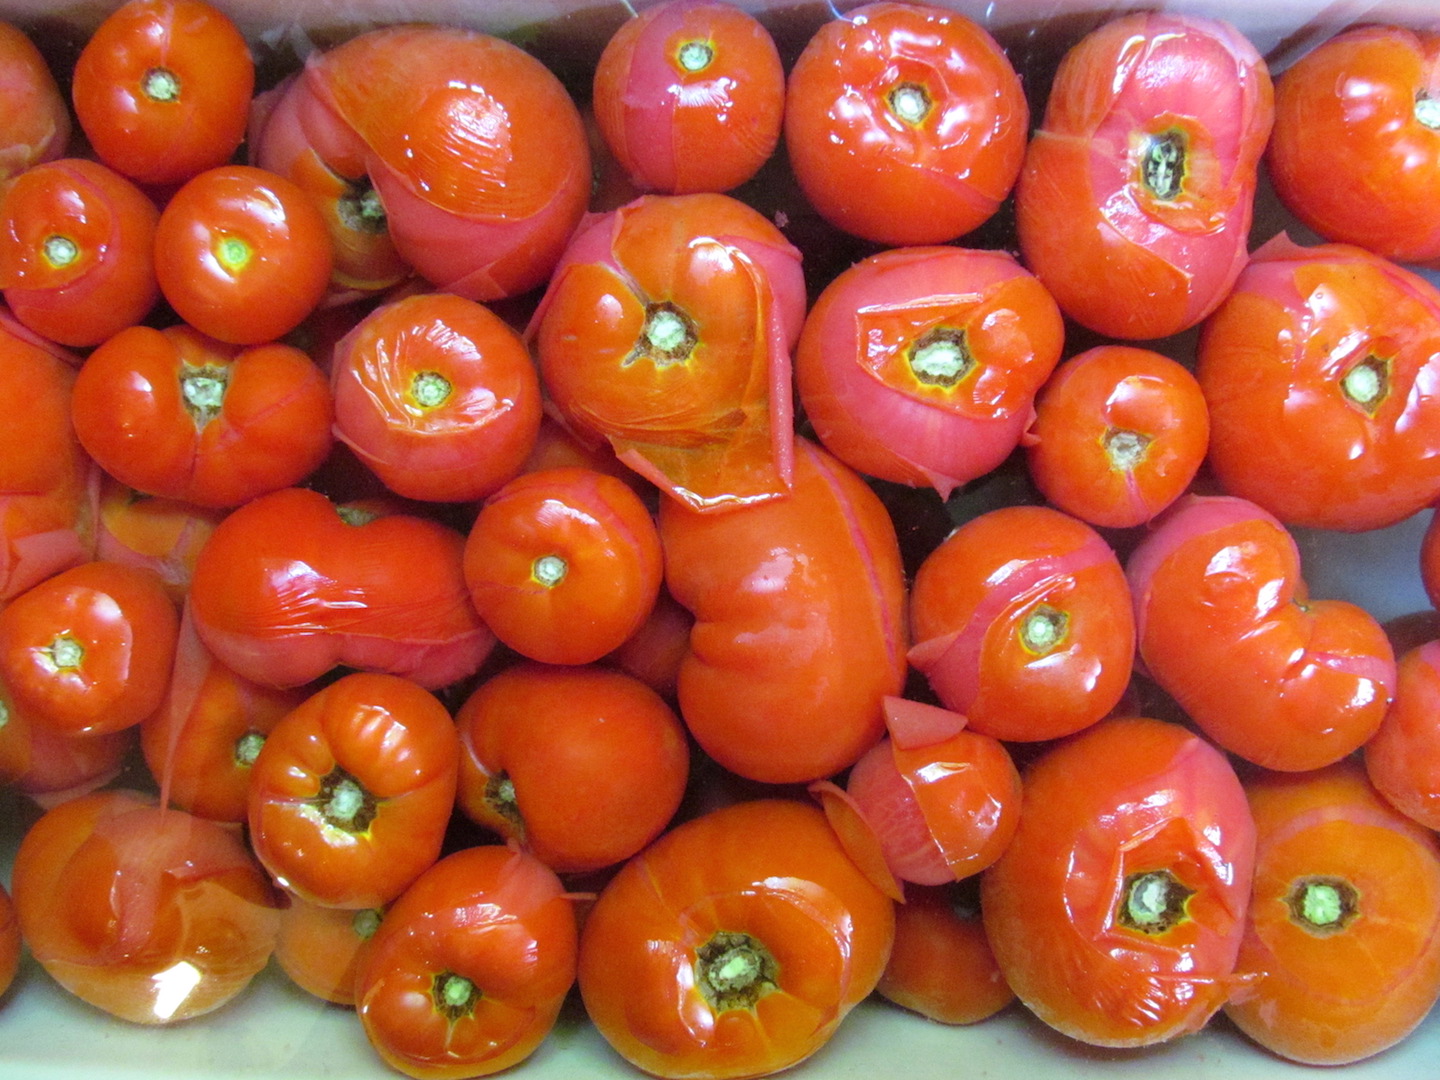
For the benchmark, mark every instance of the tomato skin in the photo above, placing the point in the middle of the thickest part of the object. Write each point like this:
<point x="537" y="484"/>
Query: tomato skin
<point x="10" y="943"/>
<point x="34" y="119"/>
<point x="1123" y="798"/>
<point x="104" y="280"/>
<point x="790" y="656"/>
<point x="241" y="254"/>
<point x="564" y="565"/>
<point x="113" y="890"/>
<point x="1320" y="372"/>
<point x="1367" y="973"/>
<point x="51" y="766"/>
<point x="874" y="172"/>
<point x="90" y="650"/>
<point x="319" y="947"/>
<point x="1022" y="621"/>
<point x="876" y="403"/>
<point x="1402" y="758"/>
<point x="769" y="871"/>
<point x="380" y="738"/>
<point x="285" y="589"/>
<point x="1362" y="89"/>
<point x="1119" y="434"/>
<point x="497" y="919"/>
<point x="438" y="396"/>
<point x="1123" y="253"/>
<point x="161" y="535"/>
<point x="677" y="125"/>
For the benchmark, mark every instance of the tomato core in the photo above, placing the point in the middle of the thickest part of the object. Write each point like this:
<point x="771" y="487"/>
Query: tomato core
<point x="161" y="84"/>
<point x="1367" y="384"/>
<point x="1125" y="449"/>
<point x="247" y="748"/>
<point x="734" y="971"/>
<point x="549" y="570"/>
<point x="695" y="56"/>
<point x="454" y="995"/>
<point x="203" y="390"/>
<point x="62" y="654"/>
<point x="232" y="253"/>
<point x="1162" y="164"/>
<point x="430" y="389"/>
<point x="940" y="357"/>
<point x="361" y="209"/>
<point x="365" y="923"/>
<point x="1427" y="112"/>
<point x="909" y="102"/>
<point x="1153" y="902"/>
<point x="668" y="336"/>
<point x="1323" y="905"/>
<point x="59" y="251"/>
<point x="1044" y="629"/>
<point x="344" y="803"/>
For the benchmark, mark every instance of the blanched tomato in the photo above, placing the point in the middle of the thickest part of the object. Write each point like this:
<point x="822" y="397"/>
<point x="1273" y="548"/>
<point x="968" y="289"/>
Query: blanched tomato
<point x="34" y="119"/>
<point x="319" y="947"/>
<point x="1402" y="758"/>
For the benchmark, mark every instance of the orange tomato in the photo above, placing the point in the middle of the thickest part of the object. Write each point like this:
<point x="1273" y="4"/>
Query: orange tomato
<point x="319" y="947"/>
<point x="161" y="535"/>
<point x="1402" y="758"/>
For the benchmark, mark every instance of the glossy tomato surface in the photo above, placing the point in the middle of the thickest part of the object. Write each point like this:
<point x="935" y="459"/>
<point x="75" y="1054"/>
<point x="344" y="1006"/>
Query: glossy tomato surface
<point x="1402" y="758"/>
<point x="34" y="118"/>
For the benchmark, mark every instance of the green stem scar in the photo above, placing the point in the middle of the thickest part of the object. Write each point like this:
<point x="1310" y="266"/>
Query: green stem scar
<point x="202" y="389"/>
<point x="430" y="389"/>
<point x="344" y="803"/>
<point x="1367" y="384"/>
<point x="734" y="971"/>
<point x="65" y="653"/>
<point x="247" y="748"/>
<point x="232" y="253"/>
<point x="59" y="251"/>
<point x="160" y="84"/>
<point x="668" y="337"/>
<point x="1153" y="902"/>
<point x="360" y="209"/>
<point x="549" y="570"/>
<point x="940" y="357"/>
<point x="1125" y="449"/>
<point x="1044" y="629"/>
<point x="454" y="995"/>
<point x="1427" y="111"/>
<point x="500" y="798"/>
<point x="909" y="102"/>
<point x="1323" y="905"/>
<point x="695" y="56"/>
<point x="1162" y="164"/>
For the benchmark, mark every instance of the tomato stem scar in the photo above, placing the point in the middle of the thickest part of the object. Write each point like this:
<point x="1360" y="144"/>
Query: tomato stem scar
<point x="454" y="995"/>
<point x="247" y="748"/>
<point x="344" y="803"/>
<point x="365" y="923"/>
<point x="940" y="357"/>
<point x="232" y="253"/>
<point x="59" y="251"/>
<point x="361" y="209"/>
<point x="1124" y="448"/>
<point x="1323" y="905"/>
<point x="430" y="389"/>
<point x="549" y="570"/>
<point x="1153" y="902"/>
<point x="160" y="84"/>
<point x="355" y="515"/>
<point x="1367" y="383"/>
<point x="695" y="55"/>
<point x="668" y="336"/>
<point x="910" y="102"/>
<point x="1427" y="111"/>
<point x="734" y="971"/>
<point x="1162" y="164"/>
<point x="1044" y="629"/>
<point x="203" y="390"/>
<point x="500" y="797"/>
<point x="65" y="653"/>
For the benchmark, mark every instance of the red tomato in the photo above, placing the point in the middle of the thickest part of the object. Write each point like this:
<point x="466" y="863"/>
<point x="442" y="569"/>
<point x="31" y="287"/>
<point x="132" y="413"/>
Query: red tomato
<point x="438" y="396"/>
<point x="291" y="585"/>
<point x="10" y="943"/>
<point x="161" y="535"/>
<point x="90" y="650"/>
<point x="1119" y="434"/>
<point x="733" y="946"/>
<point x="1217" y="588"/>
<point x="176" y="414"/>
<point x="162" y="89"/>
<point x="1135" y="202"/>
<point x="1320" y="372"/>
<point x="905" y="123"/>
<point x="920" y="365"/>
<point x="34" y="119"/>
<point x="468" y="970"/>
<point x="799" y="628"/>
<point x="581" y="766"/>
<point x="1117" y="910"/>
<point x="689" y="96"/>
<point x="351" y="793"/>
<point x="143" y="911"/>
<point x="1402" y="758"/>
<point x="564" y="565"/>
<point x="1370" y="90"/>
<point x="1341" y="953"/>
<point x="319" y="947"/>
<point x="654" y="653"/>
<point x="1022" y="621"/>
<point x="51" y="766"/>
<point x="667" y="330"/>
<point x="78" y="261"/>
<point x="242" y="254"/>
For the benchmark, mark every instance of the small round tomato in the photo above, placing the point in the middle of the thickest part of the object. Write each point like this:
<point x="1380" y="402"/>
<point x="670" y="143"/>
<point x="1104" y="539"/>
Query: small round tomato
<point x="143" y="911"/>
<point x="242" y="255"/>
<point x="319" y="947"/>
<point x="905" y="123"/>
<point x="1119" y="434"/>
<point x="1341" y="953"/>
<point x="581" y="766"/>
<point x="1117" y="910"/>
<point x="34" y="119"/>
<point x="161" y="535"/>
<point x="175" y="414"/>
<point x="564" y="565"/>
<point x="690" y="95"/>
<point x="350" y="795"/>
<point x="1373" y="90"/>
<point x="735" y="945"/>
<point x="78" y="261"/>
<point x="438" y="396"/>
<point x="469" y="968"/>
<point x="1022" y="621"/>
<point x="90" y="650"/>
<point x="1402" y="758"/>
<point x="162" y="89"/>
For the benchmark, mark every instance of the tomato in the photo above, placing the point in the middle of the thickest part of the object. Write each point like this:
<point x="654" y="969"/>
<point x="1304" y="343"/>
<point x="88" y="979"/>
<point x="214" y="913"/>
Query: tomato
<point x="1217" y="587"/>
<point x="733" y="946"/>
<point x="51" y="766"/>
<point x="582" y="766"/>
<point x="10" y="944"/>
<point x="1342" y="943"/>
<point x="438" y="396"/>
<point x="162" y="89"/>
<point x="690" y="96"/>
<point x="1370" y="89"/>
<point x="905" y="123"/>
<point x="799" y="628"/>
<point x="666" y="330"/>
<point x="319" y="947"/>
<point x="1021" y="620"/>
<point x="176" y="414"/>
<point x="920" y="365"/>
<point x="351" y="792"/>
<point x="78" y="263"/>
<point x="161" y="535"/>
<point x="1119" y="434"/>
<point x="1402" y="758"/>
<point x="564" y="565"/>
<point x="1320" y="372"/>
<point x="90" y="650"/>
<point x="654" y="653"/>
<point x="242" y="254"/>
<point x="291" y="585"/>
<point x="145" y="912"/>
<point x="1135" y="201"/>
<point x="468" y="970"/>
<point x="34" y="119"/>
<point x="1117" y="910"/>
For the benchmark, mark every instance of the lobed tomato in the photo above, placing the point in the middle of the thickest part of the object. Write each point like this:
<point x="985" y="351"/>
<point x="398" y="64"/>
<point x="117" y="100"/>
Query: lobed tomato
<point x="34" y="119"/>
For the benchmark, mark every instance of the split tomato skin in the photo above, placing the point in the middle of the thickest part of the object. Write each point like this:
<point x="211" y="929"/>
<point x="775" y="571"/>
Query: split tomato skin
<point x="1117" y="910"/>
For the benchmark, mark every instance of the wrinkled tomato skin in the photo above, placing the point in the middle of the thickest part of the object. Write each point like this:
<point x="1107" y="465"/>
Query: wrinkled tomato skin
<point x="1402" y="758"/>
<point x="34" y="118"/>
<point x="1346" y="978"/>
<point x="1130" y="249"/>
<point x="800" y="623"/>
<point x="769" y="871"/>
<point x="1123" y="799"/>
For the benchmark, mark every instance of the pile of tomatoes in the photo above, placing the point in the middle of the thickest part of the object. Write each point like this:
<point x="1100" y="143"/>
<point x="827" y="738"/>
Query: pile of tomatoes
<point x="745" y="524"/>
